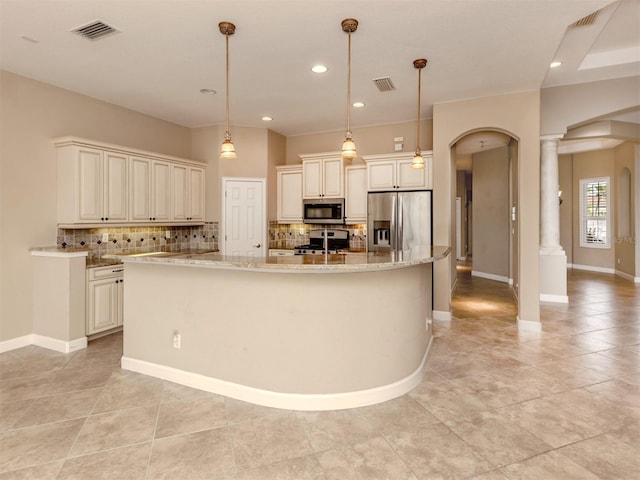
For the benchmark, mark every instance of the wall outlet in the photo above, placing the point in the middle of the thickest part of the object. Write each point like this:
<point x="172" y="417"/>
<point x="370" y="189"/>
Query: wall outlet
<point x="302" y="231"/>
<point x="177" y="340"/>
<point x="618" y="260"/>
<point x="105" y="237"/>
<point x="167" y="234"/>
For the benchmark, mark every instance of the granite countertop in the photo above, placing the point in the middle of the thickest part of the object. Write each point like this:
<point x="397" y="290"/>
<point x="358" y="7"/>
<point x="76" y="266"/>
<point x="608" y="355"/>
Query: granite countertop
<point x="337" y="263"/>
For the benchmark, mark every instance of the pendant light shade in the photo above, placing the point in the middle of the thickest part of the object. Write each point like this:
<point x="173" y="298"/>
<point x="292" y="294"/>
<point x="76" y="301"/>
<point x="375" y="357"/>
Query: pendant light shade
<point x="349" y="25"/>
<point x="228" y="150"/>
<point x="418" y="161"/>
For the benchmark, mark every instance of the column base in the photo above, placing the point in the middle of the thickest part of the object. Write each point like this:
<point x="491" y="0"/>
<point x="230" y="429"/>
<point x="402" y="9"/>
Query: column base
<point x="553" y="277"/>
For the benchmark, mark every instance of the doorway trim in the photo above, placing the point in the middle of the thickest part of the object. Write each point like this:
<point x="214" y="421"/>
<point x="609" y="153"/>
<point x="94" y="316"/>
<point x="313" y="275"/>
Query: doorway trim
<point x="223" y="221"/>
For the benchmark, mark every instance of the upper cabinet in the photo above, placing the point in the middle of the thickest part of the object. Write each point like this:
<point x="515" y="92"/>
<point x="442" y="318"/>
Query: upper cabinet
<point x="356" y="194"/>
<point x="394" y="172"/>
<point x="289" y="200"/>
<point x="92" y="186"/>
<point x="323" y="175"/>
<point x="101" y="183"/>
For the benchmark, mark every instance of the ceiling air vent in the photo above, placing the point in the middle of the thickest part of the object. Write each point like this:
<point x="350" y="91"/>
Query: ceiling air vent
<point x="384" y="84"/>
<point x="94" y="30"/>
<point x="588" y="20"/>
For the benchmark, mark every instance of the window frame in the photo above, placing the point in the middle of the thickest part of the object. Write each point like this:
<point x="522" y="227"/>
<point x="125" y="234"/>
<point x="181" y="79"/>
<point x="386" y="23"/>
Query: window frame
<point x="584" y="218"/>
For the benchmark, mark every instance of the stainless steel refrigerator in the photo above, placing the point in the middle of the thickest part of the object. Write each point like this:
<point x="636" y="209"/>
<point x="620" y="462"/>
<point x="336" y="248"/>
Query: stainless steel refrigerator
<point x="399" y="221"/>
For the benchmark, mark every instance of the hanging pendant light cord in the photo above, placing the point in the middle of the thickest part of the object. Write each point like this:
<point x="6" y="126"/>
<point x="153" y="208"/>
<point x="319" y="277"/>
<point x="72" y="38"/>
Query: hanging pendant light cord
<point x="419" y="92"/>
<point x="349" y="88"/>
<point x="227" y="80"/>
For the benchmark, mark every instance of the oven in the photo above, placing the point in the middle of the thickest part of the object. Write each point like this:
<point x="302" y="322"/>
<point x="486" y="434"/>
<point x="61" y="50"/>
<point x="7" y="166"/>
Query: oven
<point x="327" y="211"/>
<point x="336" y="240"/>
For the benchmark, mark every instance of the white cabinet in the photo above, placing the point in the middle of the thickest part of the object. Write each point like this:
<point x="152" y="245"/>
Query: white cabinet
<point x="92" y="185"/>
<point x="105" y="287"/>
<point x="289" y="194"/>
<point x="323" y="175"/>
<point x="280" y="252"/>
<point x="150" y="190"/>
<point x="100" y="183"/>
<point x="356" y="194"/>
<point x="187" y="193"/>
<point x="394" y="172"/>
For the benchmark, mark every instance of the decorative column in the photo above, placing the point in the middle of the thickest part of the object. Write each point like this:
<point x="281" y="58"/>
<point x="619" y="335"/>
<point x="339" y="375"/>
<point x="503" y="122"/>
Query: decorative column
<point x="553" y="260"/>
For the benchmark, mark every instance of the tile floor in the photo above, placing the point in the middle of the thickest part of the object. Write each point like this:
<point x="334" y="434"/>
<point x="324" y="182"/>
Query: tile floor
<point x="495" y="404"/>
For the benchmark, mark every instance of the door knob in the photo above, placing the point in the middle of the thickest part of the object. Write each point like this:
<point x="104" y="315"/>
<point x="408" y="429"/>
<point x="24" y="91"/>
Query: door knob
<point x="257" y="246"/>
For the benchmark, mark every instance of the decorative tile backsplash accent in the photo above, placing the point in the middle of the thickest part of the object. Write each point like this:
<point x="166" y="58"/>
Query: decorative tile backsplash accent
<point x="290" y="235"/>
<point x="140" y="239"/>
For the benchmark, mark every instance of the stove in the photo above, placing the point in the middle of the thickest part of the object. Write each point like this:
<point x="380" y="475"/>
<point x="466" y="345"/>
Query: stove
<point x="336" y="240"/>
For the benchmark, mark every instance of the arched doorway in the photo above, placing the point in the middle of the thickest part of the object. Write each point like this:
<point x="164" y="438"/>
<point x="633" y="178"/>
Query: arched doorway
<point x="486" y="192"/>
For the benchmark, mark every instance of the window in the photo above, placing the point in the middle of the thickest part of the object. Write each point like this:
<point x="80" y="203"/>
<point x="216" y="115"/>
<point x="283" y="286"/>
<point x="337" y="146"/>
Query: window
<point x="594" y="213"/>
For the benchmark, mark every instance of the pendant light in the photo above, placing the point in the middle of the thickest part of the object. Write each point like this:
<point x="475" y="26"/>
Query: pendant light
<point x="418" y="161"/>
<point x="228" y="150"/>
<point x="349" y="25"/>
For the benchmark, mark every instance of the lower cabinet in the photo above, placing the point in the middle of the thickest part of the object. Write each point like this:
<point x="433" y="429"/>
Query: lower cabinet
<point x="105" y="287"/>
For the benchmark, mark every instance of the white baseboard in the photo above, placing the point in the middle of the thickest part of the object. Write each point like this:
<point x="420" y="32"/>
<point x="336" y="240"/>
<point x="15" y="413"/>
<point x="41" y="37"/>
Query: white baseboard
<point x="591" y="268"/>
<point x="627" y="276"/>
<point x="490" y="276"/>
<point x="528" y="325"/>
<point x="547" y="297"/>
<point x="289" y="401"/>
<point x="44" y="342"/>
<point x="442" y="315"/>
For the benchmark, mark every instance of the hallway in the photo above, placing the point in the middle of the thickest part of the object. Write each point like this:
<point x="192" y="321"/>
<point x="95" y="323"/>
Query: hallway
<point x="495" y="404"/>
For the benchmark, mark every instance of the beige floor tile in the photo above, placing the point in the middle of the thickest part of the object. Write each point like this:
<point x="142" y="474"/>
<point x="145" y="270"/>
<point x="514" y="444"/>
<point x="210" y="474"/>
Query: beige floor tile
<point x="436" y="453"/>
<point x="25" y="388"/>
<point x="302" y="468"/>
<point x="550" y="465"/>
<point x="571" y="374"/>
<point x="497" y="438"/>
<point x="128" y="463"/>
<point x="172" y="392"/>
<point x="446" y="400"/>
<point x="47" y="471"/>
<point x="554" y="425"/>
<point x="200" y="455"/>
<point x="31" y="360"/>
<point x="491" y="475"/>
<point x="36" y="445"/>
<point x="268" y="440"/>
<point x="127" y="390"/>
<point x="186" y="416"/>
<point x="398" y="414"/>
<point x="605" y="456"/>
<point x="11" y="412"/>
<point x="110" y="430"/>
<point x="239" y="411"/>
<point x="618" y="391"/>
<point x="59" y="407"/>
<point x="373" y="459"/>
<point x="335" y="429"/>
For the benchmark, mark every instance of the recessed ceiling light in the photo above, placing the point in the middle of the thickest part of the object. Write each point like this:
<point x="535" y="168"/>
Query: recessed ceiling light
<point x="555" y="64"/>
<point x="207" y="91"/>
<point x="267" y="118"/>
<point x="319" y="69"/>
<point x="358" y="104"/>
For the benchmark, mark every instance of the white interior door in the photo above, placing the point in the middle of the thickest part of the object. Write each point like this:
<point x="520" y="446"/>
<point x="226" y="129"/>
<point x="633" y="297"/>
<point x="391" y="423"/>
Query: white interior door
<point x="244" y="222"/>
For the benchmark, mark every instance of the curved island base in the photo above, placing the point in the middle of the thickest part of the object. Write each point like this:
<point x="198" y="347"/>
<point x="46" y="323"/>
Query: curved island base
<point x="287" y="332"/>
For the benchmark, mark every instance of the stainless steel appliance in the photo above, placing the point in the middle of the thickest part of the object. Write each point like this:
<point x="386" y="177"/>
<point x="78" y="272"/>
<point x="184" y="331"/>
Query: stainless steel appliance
<point x="336" y="240"/>
<point x="327" y="211"/>
<point x="398" y="221"/>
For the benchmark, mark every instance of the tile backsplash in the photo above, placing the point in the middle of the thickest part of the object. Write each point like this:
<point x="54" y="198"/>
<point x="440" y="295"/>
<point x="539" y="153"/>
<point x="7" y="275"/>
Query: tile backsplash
<point x="290" y="235"/>
<point x="139" y="239"/>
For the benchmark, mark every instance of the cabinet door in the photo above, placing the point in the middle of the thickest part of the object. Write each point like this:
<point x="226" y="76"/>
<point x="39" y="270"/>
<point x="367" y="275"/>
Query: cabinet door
<point x="90" y="185"/>
<point x="115" y="187"/>
<point x="196" y="194"/>
<point x="140" y="188"/>
<point x="160" y="191"/>
<point x="381" y="175"/>
<point x="289" y="204"/>
<point x="312" y="178"/>
<point x="102" y="305"/>
<point x="356" y="194"/>
<point x="179" y="193"/>
<point x="410" y="178"/>
<point x="332" y="179"/>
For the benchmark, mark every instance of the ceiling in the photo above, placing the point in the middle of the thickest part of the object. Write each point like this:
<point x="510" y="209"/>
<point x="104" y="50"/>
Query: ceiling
<point x="166" y="51"/>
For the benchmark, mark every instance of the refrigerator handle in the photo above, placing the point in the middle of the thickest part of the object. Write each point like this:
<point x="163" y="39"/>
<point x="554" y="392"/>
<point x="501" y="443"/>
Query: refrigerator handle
<point x="394" y="222"/>
<point x="400" y="224"/>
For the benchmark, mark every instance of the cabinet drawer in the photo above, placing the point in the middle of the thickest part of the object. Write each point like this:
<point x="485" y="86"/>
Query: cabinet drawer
<point x="98" y="273"/>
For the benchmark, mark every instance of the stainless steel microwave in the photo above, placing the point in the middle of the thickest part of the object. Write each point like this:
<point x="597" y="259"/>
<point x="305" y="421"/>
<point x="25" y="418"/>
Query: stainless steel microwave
<point x="323" y="211"/>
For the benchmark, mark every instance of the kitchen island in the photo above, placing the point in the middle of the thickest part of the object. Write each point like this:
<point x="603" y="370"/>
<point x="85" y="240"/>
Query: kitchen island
<point x="299" y="332"/>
